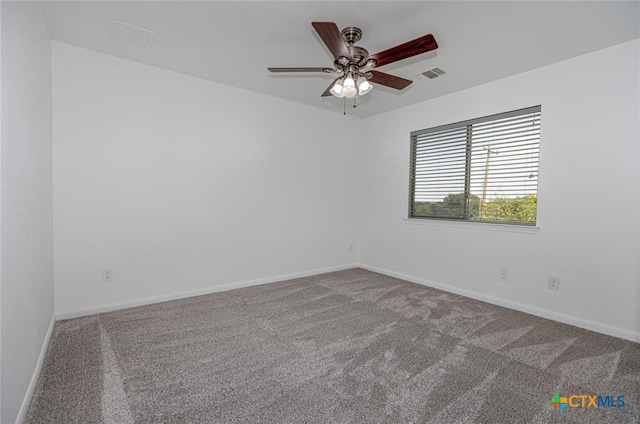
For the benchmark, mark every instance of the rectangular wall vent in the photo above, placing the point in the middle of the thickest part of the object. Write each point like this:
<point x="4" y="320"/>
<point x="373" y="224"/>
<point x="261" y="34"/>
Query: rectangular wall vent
<point x="131" y="34"/>
<point x="433" y="73"/>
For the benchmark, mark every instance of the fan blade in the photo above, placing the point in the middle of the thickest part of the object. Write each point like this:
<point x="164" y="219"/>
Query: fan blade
<point x="330" y="34"/>
<point x="403" y="51"/>
<point x="327" y="70"/>
<point x="389" y="80"/>
<point x="327" y="92"/>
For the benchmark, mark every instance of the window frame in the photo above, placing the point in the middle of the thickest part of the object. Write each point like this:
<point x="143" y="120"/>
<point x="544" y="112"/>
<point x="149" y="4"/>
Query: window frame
<point x="413" y="140"/>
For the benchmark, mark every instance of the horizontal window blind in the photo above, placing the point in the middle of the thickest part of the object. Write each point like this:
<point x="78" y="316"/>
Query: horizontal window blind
<point x="484" y="169"/>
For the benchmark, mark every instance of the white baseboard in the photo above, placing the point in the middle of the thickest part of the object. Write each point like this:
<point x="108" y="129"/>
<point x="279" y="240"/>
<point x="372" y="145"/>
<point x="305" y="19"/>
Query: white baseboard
<point x="533" y="310"/>
<point x="190" y="293"/>
<point x="36" y="373"/>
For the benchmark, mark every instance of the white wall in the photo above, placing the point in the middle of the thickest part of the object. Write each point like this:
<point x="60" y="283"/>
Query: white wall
<point x="181" y="184"/>
<point x="26" y="276"/>
<point x="588" y="196"/>
<point x="0" y="213"/>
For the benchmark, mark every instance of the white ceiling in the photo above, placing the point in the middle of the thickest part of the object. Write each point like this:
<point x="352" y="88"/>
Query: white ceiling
<point x="234" y="42"/>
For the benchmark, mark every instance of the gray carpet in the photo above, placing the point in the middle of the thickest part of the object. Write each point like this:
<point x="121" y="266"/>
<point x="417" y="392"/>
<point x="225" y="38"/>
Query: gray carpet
<point x="345" y="347"/>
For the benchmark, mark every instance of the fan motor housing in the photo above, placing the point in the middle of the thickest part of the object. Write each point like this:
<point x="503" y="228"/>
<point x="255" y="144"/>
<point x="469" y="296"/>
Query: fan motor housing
<point x="359" y="55"/>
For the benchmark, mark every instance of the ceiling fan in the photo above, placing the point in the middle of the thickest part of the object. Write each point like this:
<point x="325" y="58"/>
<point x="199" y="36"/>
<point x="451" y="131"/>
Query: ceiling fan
<point x="355" y="65"/>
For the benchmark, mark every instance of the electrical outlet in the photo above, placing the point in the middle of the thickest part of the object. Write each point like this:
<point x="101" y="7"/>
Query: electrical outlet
<point x="107" y="275"/>
<point x="554" y="283"/>
<point x="504" y="274"/>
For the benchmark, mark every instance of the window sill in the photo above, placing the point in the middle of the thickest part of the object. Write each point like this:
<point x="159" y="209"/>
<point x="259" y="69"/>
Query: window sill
<point x="512" y="228"/>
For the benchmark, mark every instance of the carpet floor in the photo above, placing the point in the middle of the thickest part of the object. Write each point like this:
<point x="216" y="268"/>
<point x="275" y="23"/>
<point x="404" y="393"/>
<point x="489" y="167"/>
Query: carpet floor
<point x="344" y="347"/>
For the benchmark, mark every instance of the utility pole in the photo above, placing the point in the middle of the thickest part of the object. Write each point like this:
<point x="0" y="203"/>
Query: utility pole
<point x="486" y="180"/>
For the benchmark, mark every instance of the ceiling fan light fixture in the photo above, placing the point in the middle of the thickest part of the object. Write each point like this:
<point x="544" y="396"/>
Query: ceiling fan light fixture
<point x="349" y="89"/>
<point x="364" y="86"/>
<point x="355" y="65"/>
<point x="336" y="90"/>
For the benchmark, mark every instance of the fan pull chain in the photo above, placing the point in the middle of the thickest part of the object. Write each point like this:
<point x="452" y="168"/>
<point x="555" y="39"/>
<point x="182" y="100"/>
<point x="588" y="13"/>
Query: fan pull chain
<point x="344" y="106"/>
<point x="354" y="101"/>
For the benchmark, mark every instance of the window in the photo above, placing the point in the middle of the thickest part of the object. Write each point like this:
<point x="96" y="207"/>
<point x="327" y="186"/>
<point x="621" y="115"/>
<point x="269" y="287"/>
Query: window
<point x="484" y="170"/>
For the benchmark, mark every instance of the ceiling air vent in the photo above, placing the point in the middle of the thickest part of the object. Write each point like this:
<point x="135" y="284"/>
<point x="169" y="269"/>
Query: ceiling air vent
<point x="433" y="73"/>
<point x="132" y="34"/>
